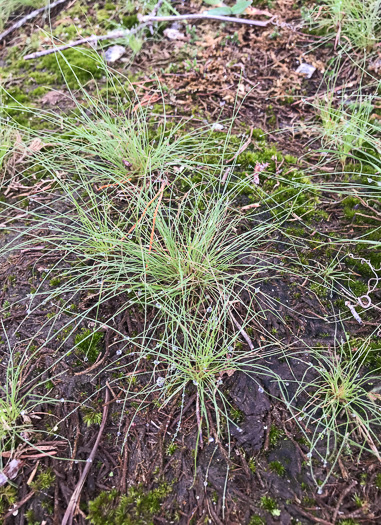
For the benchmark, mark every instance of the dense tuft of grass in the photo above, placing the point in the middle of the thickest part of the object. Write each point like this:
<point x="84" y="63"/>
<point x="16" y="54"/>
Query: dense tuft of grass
<point x="337" y="407"/>
<point x="353" y="23"/>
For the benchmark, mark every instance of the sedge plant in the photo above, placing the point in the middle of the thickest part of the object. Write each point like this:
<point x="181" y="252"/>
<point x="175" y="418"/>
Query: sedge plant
<point x="336" y="404"/>
<point x="352" y="23"/>
<point x="138" y="207"/>
<point x="20" y="396"/>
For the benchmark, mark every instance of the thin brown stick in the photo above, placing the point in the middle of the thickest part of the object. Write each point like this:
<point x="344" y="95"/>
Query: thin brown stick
<point x="344" y="493"/>
<point x="242" y="148"/>
<point x="74" y="500"/>
<point x="141" y="216"/>
<point x="242" y="331"/>
<point x="314" y="518"/>
<point x="163" y="184"/>
<point x="18" y="505"/>
<point x="28" y="17"/>
<point x="199" y="419"/>
<point x="113" y="185"/>
<point x="93" y="39"/>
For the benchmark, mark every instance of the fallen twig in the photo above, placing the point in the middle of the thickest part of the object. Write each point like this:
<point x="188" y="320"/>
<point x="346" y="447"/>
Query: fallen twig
<point x="206" y="16"/>
<point x="18" y="505"/>
<point x="26" y="18"/>
<point x="242" y="148"/>
<point x="344" y="493"/>
<point x="226" y="174"/>
<point x="93" y="39"/>
<point x="250" y="206"/>
<point x="199" y="419"/>
<point x="73" y="503"/>
<point x="242" y="331"/>
<point x="145" y="21"/>
<point x="163" y="184"/>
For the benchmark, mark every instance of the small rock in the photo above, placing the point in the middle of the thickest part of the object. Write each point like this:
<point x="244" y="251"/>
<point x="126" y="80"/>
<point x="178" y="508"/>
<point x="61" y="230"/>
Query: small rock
<point x="114" y="53"/>
<point x="306" y="69"/>
<point x="174" y="34"/>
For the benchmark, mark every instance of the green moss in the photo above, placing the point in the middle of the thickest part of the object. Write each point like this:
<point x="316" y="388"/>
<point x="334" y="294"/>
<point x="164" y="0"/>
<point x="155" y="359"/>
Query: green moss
<point x="252" y="465"/>
<point x="55" y="281"/>
<point x="319" y="289"/>
<point x="236" y="415"/>
<point x="87" y="343"/>
<point x="277" y="467"/>
<point x="78" y="9"/>
<point x="38" y="92"/>
<point x="275" y="435"/>
<point x="31" y="518"/>
<point x="102" y="15"/>
<point x="130" y="21"/>
<point x="256" y="520"/>
<point x="69" y="31"/>
<point x="270" y="505"/>
<point x="137" y="507"/>
<point x="294" y="190"/>
<point x="44" y="481"/>
<point x="74" y="66"/>
<point x="92" y="417"/>
<point x="8" y="496"/>
<point x="172" y="447"/>
<point x="16" y="94"/>
<point x="40" y="77"/>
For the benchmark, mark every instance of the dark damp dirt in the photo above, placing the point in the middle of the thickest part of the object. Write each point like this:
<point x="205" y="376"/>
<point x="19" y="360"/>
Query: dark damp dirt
<point x="150" y="466"/>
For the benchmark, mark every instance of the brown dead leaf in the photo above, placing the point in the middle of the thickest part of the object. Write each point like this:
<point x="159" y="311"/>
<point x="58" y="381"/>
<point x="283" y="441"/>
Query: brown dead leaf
<point x="250" y="206"/>
<point x="229" y="372"/>
<point x="64" y="21"/>
<point x="52" y="97"/>
<point x="373" y="396"/>
<point x="253" y="11"/>
<point x="10" y="471"/>
<point x="37" y="145"/>
<point x="209" y="41"/>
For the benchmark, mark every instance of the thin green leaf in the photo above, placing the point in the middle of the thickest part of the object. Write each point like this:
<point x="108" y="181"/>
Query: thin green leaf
<point x="240" y="7"/>
<point x="220" y="11"/>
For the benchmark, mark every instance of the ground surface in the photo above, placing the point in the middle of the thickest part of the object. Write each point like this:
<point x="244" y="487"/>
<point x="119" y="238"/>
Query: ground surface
<point x="266" y="477"/>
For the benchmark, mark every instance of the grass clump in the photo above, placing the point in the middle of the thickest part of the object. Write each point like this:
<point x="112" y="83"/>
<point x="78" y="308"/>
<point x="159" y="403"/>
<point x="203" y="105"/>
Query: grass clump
<point x="196" y="349"/>
<point x="19" y="397"/>
<point x="346" y="128"/>
<point x="353" y="23"/>
<point x="340" y="412"/>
